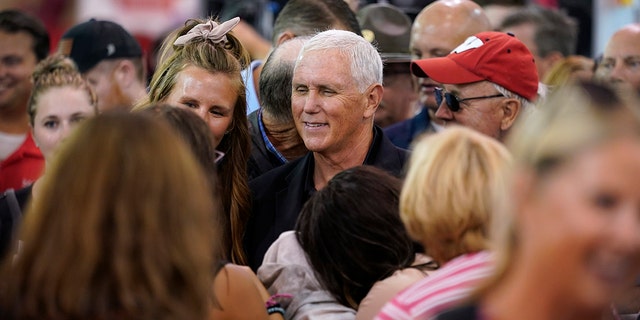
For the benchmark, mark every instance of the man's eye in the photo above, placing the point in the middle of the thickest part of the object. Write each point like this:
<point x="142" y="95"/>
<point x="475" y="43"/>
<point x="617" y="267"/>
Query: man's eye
<point x="634" y="63"/>
<point x="328" y="92"/>
<point x="607" y="65"/>
<point x="301" y="89"/>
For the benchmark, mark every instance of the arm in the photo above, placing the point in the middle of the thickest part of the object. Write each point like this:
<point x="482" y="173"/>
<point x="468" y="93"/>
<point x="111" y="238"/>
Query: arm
<point x="240" y="295"/>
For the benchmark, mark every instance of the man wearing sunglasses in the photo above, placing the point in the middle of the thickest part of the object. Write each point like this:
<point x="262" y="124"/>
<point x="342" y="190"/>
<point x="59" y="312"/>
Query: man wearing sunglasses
<point x="486" y="82"/>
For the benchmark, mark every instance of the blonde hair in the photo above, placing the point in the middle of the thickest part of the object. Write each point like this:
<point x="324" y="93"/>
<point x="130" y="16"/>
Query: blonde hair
<point x="112" y="233"/>
<point x="228" y="58"/>
<point x="563" y="71"/>
<point x="54" y="72"/>
<point x="572" y="119"/>
<point x="447" y="200"/>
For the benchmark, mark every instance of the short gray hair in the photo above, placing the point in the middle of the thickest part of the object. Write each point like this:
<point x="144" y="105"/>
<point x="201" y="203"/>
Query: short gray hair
<point x="366" y="64"/>
<point x="527" y="106"/>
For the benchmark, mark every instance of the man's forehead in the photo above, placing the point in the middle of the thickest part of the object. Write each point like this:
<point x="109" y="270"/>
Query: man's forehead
<point x="480" y="85"/>
<point x="16" y="42"/>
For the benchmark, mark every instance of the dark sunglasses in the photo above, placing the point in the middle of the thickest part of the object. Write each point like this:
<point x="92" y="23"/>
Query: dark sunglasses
<point x="453" y="102"/>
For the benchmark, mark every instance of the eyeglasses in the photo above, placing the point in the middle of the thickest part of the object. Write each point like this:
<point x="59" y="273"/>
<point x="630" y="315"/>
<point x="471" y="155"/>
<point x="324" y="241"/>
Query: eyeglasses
<point x="453" y="102"/>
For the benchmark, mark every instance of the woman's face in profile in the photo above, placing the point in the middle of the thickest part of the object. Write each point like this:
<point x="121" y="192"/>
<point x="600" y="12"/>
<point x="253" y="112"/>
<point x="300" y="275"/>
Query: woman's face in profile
<point x="581" y="223"/>
<point x="212" y="96"/>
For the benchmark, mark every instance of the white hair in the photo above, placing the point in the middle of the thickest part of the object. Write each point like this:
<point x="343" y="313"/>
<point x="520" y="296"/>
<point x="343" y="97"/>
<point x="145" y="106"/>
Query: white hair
<point x="526" y="107"/>
<point x="366" y="64"/>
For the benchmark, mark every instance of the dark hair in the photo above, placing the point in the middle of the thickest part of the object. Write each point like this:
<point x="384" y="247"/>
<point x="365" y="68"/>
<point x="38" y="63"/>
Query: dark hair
<point x="14" y="21"/>
<point x="351" y="242"/>
<point x="554" y="29"/>
<point x="198" y="137"/>
<point x="275" y="81"/>
<point x="307" y="17"/>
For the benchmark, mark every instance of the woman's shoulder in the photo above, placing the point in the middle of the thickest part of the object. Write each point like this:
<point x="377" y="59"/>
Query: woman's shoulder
<point x="384" y="290"/>
<point x="239" y="294"/>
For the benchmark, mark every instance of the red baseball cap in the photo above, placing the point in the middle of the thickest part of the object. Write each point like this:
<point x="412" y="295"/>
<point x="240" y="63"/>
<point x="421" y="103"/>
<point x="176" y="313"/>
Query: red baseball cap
<point x="493" y="56"/>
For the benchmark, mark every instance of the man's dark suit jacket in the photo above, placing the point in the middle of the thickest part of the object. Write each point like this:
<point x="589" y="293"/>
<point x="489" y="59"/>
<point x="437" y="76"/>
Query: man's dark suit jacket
<point x="261" y="159"/>
<point x="278" y="195"/>
<point x="404" y="132"/>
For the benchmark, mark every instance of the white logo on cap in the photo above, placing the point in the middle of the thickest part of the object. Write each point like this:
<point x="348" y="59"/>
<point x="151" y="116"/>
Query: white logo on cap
<point x="111" y="49"/>
<point x="471" y="43"/>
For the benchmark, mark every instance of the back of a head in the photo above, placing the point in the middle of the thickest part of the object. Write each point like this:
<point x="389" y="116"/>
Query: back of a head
<point x="93" y="41"/>
<point x="197" y="136"/>
<point x="111" y="233"/>
<point x="448" y="205"/>
<point x="192" y="129"/>
<point x="351" y="243"/>
<point x="275" y="79"/>
<point x="307" y="17"/>
<point x="555" y="31"/>
<point x="365" y="61"/>
<point x="14" y="21"/>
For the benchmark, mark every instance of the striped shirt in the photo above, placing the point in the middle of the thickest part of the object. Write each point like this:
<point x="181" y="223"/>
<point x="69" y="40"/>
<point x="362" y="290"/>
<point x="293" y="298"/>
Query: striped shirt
<point x="441" y="290"/>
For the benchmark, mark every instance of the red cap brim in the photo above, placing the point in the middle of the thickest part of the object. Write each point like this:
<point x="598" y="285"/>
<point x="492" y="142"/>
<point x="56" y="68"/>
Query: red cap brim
<point x="443" y="70"/>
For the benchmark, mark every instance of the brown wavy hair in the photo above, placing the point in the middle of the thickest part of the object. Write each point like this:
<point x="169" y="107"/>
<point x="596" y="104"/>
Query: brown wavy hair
<point x="198" y="137"/>
<point x="122" y="228"/>
<point x="229" y="59"/>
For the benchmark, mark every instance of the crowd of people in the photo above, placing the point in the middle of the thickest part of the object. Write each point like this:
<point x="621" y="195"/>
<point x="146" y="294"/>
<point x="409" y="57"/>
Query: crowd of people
<point x="372" y="166"/>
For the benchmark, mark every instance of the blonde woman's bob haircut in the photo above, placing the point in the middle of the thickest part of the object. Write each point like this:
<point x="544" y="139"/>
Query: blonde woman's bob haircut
<point x="447" y="201"/>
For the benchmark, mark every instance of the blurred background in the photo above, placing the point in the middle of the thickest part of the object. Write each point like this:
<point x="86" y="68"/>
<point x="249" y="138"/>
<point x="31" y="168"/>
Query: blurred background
<point x="150" y="20"/>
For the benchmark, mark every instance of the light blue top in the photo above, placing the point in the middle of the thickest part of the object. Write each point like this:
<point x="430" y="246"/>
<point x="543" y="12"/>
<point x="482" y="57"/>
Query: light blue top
<point x="251" y="91"/>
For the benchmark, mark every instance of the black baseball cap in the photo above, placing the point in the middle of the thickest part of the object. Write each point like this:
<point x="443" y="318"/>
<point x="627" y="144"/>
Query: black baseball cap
<point x="95" y="40"/>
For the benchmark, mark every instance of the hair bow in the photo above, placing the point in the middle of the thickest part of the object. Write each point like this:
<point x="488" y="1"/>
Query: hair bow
<point x="209" y="30"/>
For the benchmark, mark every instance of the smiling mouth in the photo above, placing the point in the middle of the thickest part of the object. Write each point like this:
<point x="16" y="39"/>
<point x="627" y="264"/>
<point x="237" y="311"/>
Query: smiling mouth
<point x="314" y="124"/>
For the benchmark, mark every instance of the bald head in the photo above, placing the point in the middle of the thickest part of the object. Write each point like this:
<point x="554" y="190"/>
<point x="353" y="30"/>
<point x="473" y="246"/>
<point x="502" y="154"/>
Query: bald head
<point x="439" y="28"/>
<point x="621" y="59"/>
<point x="443" y="25"/>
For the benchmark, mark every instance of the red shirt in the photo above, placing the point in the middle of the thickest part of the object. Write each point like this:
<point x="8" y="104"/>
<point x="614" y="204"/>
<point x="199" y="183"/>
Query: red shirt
<point x="22" y="167"/>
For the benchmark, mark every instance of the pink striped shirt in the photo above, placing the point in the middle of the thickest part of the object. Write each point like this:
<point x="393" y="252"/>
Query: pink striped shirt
<point x="441" y="290"/>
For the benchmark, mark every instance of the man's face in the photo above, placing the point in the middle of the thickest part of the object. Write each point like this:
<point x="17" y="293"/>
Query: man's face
<point x="329" y="111"/>
<point x="433" y="37"/>
<point x="399" y="99"/>
<point x="482" y="115"/>
<point x="621" y="60"/>
<point x="17" y="62"/>
<point x="102" y="80"/>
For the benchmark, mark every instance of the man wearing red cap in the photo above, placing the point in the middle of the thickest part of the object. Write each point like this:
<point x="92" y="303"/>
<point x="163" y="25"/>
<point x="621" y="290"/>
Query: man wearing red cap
<point x="486" y="82"/>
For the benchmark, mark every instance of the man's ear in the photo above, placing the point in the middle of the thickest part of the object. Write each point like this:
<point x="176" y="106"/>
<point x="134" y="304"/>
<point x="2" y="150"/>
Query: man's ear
<point x="125" y="73"/>
<point x="284" y="37"/>
<point x="510" y="110"/>
<point x="374" y="96"/>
